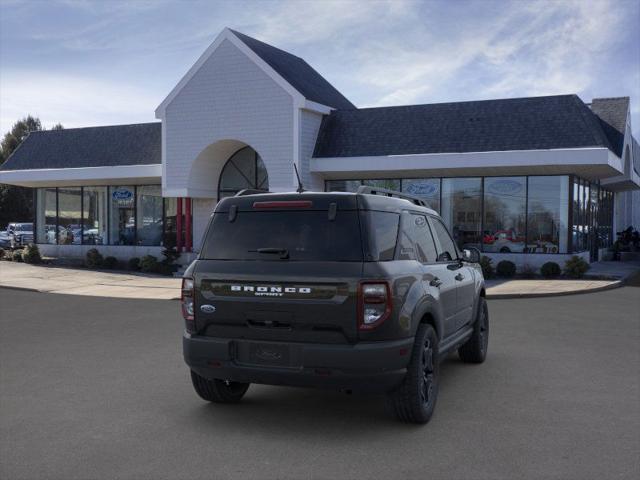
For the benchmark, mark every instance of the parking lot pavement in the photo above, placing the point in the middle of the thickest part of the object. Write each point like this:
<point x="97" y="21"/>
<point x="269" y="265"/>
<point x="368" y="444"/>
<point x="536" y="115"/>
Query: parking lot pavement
<point x="96" y="388"/>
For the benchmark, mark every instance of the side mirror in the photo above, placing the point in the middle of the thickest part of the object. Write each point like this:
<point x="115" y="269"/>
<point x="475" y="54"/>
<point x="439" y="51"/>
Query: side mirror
<point x="471" y="255"/>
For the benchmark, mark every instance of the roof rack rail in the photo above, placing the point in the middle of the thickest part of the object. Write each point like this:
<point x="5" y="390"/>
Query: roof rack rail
<point x="391" y="193"/>
<point x="250" y="191"/>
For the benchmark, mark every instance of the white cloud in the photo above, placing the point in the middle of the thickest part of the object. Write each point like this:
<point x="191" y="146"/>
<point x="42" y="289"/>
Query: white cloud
<point x="72" y="101"/>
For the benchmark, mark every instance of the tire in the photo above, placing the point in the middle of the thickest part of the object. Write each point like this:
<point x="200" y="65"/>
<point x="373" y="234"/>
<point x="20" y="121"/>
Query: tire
<point x="505" y="250"/>
<point x="415" y="399"/>
<point x="218" y="391"/>
<point x="475" y="349"/>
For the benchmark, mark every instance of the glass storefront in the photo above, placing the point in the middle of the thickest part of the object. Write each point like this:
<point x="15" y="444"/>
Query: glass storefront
<point x="519" y="214"/>
<point x="149" y="215"/>
<point x="505" y="214"/>
<point x="122" y="219"/>
<point x="94" y="214"/>
<point x="69" y="216"/>
<point x="462" y="210"/>
<point x="547" y="214"/>
<point x="46" y="215"/>
<point x="116" y="215"/>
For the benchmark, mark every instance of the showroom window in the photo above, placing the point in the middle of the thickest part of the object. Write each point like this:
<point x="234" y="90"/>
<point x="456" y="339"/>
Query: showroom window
<point x="46" y="215"/>
<point x="149" y="215"/>
<point x="122" y="218"/>
<point x="387" y="184"/>
<point x="94" y="208"/>
<point x="505" y="214"/>
<point x="69" y="216"/>
<point x="513" y="214"/>
<point x="462" y="210"/>
<point x="547" y="214"/>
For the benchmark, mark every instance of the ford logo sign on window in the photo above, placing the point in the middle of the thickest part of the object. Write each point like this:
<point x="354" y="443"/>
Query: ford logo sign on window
<point x="425" y="189"/>
<point x="505" y="187"/>
<point x="122" y="194"/>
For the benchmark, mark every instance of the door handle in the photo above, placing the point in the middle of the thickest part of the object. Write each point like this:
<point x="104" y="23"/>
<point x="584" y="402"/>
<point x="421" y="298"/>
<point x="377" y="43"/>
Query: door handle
<point x="436" y="282"/>
<point x="459" y="277"/>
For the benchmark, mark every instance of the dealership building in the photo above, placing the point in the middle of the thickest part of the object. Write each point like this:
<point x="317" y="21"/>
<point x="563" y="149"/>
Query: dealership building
<point x="526" y="179"/>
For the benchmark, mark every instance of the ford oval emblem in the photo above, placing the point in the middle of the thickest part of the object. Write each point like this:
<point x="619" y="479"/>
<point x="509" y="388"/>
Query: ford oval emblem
<point x="207" y="308"/>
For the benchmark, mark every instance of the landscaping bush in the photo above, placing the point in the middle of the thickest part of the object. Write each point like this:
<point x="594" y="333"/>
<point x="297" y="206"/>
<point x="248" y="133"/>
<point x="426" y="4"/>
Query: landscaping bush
<point x="16" y="256"/>
<point x="506" y="268"/>
<point x="134" y="264"/>
<point x="165" y="269"/>
<point x="110" y="263"/>
<point x="149" y="264"/>
<point x="487" y="268"/>
<point x="575" y="267"/>
<point x="550" y="270"/>
<point x="1" y="253"/>
<point x="527" y="271"/>
<point x="31" y="254"/>
<point x="93" y="259"/>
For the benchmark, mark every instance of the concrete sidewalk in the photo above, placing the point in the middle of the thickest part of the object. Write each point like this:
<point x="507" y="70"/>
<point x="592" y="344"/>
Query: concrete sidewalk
<point x="77" y="281"/>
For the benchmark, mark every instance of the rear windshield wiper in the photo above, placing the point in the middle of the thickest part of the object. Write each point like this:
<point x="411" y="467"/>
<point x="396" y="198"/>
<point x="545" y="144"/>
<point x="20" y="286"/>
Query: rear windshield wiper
<point x="283" y="252"/>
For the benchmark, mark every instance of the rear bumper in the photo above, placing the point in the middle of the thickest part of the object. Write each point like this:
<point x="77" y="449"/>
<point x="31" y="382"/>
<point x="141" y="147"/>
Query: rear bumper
<point x="370" y="366"/>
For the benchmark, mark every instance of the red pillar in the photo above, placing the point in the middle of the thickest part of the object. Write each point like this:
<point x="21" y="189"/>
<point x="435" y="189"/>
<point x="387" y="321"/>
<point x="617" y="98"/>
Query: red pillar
<point x="179" y="225"/>
<point x="187" y="225"/>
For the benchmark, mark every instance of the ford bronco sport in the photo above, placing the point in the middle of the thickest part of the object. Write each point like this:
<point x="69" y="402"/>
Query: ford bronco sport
<point x="361" y="291"/>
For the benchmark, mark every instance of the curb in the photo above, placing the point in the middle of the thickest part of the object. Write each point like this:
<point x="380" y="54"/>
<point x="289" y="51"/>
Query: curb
<point x="507" y="296"/>
<point x="27" y="289"/>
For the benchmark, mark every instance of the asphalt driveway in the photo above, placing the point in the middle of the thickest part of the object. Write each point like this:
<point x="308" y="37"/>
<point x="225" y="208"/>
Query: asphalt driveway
<point x="96" y="388"/>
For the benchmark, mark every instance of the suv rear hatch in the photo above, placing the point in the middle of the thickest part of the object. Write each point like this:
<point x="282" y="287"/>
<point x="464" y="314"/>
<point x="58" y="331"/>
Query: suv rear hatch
<point x="281" y="267"/>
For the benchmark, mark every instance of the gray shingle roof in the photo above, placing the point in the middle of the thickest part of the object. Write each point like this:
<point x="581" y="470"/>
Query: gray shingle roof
<point x="612" y="113"/>
<point x="138" y="144"/>
<point x="562" y="121"/>
<point x="298" y="73"/>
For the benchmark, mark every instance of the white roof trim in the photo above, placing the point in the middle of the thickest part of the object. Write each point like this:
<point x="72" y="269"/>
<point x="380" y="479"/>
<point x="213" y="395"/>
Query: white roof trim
<point x="41" y="177"/>
<point x="227" y="34"/>
<point x="459" y="163"/>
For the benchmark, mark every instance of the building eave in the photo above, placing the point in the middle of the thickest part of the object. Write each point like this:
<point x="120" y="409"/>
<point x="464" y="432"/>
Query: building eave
<point x="51" y="177"/>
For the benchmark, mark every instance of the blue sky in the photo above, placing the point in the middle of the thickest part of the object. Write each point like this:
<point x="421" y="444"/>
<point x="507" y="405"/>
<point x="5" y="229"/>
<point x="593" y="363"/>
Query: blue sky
<point x="84" y="63"/>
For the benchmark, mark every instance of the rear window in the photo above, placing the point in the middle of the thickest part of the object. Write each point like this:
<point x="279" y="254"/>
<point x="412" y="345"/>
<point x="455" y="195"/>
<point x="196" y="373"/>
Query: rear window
<point x="303" y="235"/>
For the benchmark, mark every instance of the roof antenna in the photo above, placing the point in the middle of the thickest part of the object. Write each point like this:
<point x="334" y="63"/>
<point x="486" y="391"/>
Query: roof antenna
<point x="300" y="187"/>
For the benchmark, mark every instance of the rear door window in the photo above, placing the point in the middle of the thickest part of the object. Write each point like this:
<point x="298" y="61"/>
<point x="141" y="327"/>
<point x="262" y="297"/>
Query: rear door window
<point x="302" y="235"/>
<point x="447" y="249"/>
<point x="382" y="232"/>
<point x="416" y="241"/>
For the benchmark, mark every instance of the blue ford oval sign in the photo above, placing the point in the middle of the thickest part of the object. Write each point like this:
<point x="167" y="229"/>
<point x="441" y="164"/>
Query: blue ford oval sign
<point x="426" y="189"/>
<point x="122" y="194"/>
<point x="505" y="187"/>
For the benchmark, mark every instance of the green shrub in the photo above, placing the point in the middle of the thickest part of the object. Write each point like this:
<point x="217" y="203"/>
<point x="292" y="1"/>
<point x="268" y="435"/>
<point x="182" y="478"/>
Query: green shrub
<point x="17" y="256"/>
<point x="110" y="263"/>
<point x="31" y="254"/>
<point x="134" y="264"/>
<point x="506" y="268"/>
<point x="1" y="253"/>
<point x="165" y="269"/>
<point x="527" y="271"/>
<point x="94" y="258"/>
<point x="149" y="263"/>
<point x="576" y="267"/>
<point x="550" y="270"/>
<point x="487" y="268"/>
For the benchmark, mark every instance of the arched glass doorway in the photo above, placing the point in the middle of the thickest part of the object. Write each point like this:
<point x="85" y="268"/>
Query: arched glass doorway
<point x="244" y="169"/>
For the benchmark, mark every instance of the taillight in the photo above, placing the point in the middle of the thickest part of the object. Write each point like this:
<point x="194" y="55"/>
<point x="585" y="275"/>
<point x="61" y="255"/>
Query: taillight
<point x="374" y="304"/>
<point x="186" y="298"/>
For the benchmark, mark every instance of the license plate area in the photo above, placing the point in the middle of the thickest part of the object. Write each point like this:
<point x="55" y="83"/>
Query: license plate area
<point x="268" y="354"/>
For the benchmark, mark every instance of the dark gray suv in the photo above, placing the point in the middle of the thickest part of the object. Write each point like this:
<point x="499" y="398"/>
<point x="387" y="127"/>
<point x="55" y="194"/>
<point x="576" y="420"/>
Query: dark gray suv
<point x="354" y="291"/>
